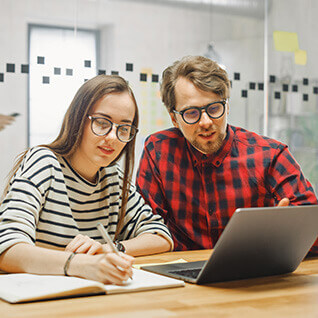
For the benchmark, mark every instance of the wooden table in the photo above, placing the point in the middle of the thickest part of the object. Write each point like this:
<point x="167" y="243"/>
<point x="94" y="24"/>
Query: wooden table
<point x="291" y="295"/>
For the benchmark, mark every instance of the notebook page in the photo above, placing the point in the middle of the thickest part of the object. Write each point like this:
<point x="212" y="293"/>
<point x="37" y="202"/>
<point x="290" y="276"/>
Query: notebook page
<point x="143" y="280"/>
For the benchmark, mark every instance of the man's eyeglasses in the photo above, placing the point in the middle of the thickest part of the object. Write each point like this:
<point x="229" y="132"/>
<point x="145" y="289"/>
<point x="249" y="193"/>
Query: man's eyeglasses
<point x="102" y="126"/>
<point x="192" y="115"/>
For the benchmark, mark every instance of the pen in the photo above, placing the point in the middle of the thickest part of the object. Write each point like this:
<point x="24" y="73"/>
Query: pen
<point x="107" y="239"/>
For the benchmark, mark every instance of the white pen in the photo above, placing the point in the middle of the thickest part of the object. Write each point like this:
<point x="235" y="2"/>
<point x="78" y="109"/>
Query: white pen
<point x="107" y="239"/>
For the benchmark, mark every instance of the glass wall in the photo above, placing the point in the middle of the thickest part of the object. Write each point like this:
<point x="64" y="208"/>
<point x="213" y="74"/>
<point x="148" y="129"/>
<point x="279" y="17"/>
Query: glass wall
<point x="293" y="80"/>
<point x="138" y="39"/>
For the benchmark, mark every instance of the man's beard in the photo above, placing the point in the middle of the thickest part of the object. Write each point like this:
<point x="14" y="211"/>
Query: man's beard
<point x="211" y="147"/>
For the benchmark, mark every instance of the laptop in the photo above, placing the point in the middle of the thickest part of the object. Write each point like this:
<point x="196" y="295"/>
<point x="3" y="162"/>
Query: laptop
<point x="256" y="242"/>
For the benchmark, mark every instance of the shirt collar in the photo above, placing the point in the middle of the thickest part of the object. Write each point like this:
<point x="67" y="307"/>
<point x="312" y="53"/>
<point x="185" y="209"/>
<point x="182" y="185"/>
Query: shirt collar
<point x="200" y="158"/>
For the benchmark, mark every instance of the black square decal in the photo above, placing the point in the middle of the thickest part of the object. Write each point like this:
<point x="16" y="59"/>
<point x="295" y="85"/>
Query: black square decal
<point x="305" y="97"/>
<point x="69" y="72"/>
<point x="305" y="81"/>
<point x="87" y="63"/>
<point x="237" y="76"/>
<point x="295" y="88"/>
<point x="129" y="67"/>
<point x="252" y="85"/>
<point x="101" y="72"/>
<point x="114" y="73"/>
<point x="46" y="80"/>
<point x="244" y="93"/>
<point x="40" y="60"/>
<point x="1" y="77"/>
<point x="277" y="95"/>
<point x="143" y="77"/>
<point x="260" y="86"/>
<point x="10" y="68"/>
<point x="155" y="78"/>
<point x="57" y="71"/>
<point x="285" y="87"/>
<point x="272" y="78"/>
<point x="25" y="68"/>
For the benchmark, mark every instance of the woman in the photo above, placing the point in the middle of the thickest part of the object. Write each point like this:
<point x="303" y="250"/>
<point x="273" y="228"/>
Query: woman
<point x="59" y="192"/>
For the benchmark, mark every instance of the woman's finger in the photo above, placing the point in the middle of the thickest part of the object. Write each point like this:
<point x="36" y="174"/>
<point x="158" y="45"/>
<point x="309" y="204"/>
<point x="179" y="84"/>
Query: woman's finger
<point x="73" y="245"/>
<point x="95" y="248"/>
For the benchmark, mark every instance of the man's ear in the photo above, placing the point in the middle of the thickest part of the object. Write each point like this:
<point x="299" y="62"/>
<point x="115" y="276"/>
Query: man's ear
<point x="173" y="119"/>
<point x="227" y="108"/>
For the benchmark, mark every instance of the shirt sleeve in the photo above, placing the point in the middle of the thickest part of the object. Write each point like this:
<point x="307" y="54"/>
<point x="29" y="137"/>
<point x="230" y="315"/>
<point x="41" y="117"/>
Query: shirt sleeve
<point x="149" y="184"/>
<point x="20" y="209"/>
<point x="140" y="219"/>
<point x="286" y="179"/>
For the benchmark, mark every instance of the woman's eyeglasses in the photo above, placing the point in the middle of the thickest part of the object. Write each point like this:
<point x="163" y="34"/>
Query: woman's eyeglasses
<point x="102" y="126"/>
<point x="192" y="115"/>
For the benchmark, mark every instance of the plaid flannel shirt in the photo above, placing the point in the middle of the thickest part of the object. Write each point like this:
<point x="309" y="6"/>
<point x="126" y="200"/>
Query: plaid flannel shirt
<point x="197" y="194"/>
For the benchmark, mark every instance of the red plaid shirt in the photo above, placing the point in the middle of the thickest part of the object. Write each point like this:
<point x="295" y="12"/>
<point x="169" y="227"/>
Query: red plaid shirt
<point x="197" y="194"/>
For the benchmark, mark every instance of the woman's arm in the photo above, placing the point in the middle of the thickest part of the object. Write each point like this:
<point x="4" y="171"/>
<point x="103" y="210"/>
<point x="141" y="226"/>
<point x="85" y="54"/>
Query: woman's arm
<point x="146" y="244"/>
<point x="26" y="258"/>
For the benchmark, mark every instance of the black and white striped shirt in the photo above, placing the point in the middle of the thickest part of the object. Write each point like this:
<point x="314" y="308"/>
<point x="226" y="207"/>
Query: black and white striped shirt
<point x="48" y="204"/>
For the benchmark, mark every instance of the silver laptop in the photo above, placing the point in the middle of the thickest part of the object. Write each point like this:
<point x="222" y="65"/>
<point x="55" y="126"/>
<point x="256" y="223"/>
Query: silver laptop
<point x="256" y="242"/>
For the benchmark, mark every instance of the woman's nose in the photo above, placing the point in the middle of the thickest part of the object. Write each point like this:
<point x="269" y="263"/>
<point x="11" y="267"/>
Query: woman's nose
<point x="112" y="133"/>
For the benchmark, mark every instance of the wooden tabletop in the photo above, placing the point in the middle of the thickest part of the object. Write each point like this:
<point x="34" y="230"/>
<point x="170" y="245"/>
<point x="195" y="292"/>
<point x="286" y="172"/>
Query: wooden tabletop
<point x="292" y="295"/>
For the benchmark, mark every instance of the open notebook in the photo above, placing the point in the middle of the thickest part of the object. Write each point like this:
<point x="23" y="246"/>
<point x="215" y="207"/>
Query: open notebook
<point x="17" y="288"/>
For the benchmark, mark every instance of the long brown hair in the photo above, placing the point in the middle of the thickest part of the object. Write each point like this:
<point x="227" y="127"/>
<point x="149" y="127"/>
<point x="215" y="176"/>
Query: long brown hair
<point x="71" y="132"/>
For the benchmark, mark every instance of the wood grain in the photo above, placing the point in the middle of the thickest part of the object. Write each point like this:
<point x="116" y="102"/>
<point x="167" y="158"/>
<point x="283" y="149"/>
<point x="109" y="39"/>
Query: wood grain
<point x="293" y="295"/>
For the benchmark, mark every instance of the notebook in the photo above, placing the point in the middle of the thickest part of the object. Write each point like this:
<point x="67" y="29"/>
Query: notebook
<point x="256" y="242"/>
<point x="17" y="288"/>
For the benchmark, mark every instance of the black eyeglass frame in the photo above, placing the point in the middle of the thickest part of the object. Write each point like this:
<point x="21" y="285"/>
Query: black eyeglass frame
<point x="93" y="118"/>
<point x="201" y="109"/>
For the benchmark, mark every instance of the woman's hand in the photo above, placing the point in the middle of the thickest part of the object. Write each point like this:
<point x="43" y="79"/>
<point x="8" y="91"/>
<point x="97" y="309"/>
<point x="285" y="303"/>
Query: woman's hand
<point x="109" y="268"/>
<point x="85" y="245"/>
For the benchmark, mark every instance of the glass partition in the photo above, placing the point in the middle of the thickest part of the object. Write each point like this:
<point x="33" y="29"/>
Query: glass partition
<point x="274" y="88"/>
<point x="293" y="81"/>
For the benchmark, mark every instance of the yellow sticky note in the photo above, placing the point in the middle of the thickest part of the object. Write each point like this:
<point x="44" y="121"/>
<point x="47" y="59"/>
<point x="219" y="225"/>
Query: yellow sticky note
<point x="285" y="41"/>
<point x="300" y="57"/>
<point x="159" y="122"/>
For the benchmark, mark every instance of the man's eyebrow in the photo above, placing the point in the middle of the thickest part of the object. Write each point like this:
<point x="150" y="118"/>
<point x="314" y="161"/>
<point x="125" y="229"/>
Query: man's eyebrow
<point x="109" y="117"/>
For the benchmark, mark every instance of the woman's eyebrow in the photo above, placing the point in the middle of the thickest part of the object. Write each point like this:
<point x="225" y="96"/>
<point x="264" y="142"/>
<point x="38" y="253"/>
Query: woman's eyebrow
<point x="109" y="117"/>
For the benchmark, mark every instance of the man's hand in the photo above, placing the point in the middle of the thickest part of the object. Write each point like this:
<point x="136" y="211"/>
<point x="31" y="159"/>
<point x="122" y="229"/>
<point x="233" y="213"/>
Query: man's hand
<point x="283" y="202"/>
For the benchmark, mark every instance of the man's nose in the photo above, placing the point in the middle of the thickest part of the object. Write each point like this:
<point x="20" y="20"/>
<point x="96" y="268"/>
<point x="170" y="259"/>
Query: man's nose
<point x="205" y="120"/>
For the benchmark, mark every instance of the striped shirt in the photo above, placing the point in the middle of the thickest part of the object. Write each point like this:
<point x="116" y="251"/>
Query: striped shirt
<point x="48" y="204"/>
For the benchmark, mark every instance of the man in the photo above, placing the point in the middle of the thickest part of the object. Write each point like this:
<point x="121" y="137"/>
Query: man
<point x="197" y="174"/>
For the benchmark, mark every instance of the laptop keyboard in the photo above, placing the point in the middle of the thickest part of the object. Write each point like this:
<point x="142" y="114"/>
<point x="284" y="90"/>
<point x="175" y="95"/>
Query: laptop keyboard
<point x="191" y="273"/>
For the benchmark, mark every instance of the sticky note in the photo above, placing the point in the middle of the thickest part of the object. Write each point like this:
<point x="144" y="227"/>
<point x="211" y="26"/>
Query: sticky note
<point x="300" y="57"/>
<point x="285" y="41"/>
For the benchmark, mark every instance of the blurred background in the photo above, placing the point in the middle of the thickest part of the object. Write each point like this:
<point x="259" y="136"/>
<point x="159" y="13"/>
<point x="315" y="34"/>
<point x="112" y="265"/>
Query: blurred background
<point x="48" y="48"/>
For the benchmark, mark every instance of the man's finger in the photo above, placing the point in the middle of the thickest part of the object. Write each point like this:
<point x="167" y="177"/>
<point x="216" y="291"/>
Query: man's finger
<point x="283" y="202"/>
